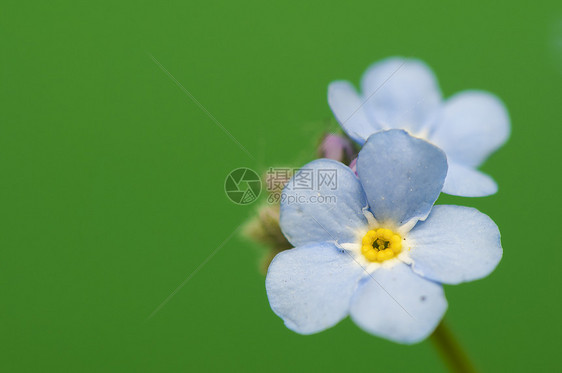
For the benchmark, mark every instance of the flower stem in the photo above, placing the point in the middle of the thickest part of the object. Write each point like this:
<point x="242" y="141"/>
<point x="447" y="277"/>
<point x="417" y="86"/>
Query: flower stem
<point x="450" y="350"/>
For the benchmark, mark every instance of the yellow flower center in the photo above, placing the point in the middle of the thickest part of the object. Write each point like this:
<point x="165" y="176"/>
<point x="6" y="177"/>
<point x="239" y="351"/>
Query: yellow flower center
<point x="381" y="244"/>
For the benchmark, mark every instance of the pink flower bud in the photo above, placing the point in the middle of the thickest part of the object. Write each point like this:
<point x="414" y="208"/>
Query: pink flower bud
<point x="336" y="147"/>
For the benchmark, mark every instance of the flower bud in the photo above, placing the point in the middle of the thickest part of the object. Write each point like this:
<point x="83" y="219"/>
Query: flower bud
<point x="264" y="229"/>
<point x="336" y="147"/>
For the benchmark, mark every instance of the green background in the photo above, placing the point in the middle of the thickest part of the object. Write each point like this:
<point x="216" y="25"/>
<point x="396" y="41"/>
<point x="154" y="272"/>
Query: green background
<point x="112" y="177"/>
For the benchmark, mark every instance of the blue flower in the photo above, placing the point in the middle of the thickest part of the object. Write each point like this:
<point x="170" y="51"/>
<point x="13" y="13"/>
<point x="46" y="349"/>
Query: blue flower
<point x="377" y="249"/>
<point x="404" y="93"/>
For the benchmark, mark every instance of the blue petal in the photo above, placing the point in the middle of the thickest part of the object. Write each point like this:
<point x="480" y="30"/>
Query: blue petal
<point x="310" y="287"/>
<point x="348" y="108"/>
<point x="337" y="213"/>
<point x="472" y="125"/>
<point x="402" y="176"/>
<point x="402" y="93"/>
<point x="468" y="182"/>
<point x="398" y="305"/>
<point x="455" y="244"/>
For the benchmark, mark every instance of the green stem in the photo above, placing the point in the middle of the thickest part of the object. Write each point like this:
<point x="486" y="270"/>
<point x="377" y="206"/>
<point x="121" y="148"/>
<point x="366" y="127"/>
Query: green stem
<point x="450" y="350"/>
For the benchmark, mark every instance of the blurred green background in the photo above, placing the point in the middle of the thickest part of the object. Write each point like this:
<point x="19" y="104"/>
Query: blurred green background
<point x="112" y="178"/>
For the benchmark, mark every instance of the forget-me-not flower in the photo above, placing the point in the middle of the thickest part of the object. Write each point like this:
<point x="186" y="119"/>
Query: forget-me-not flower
<point x="379" y="251"/>
<point x="404" y="93"/>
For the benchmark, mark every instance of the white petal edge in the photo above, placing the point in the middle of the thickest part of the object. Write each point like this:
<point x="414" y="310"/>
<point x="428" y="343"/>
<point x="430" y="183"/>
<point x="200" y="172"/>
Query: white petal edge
<point x="455" y="244"/>
<point x="310" y="287"/>
<point x="401" y="93"/>
<point x="349" y="110"/>
<point x="323" y="213"/>
<point x="472" y="125"/>
<point x="468" y="182"/>
<point x="398" y="305"/>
